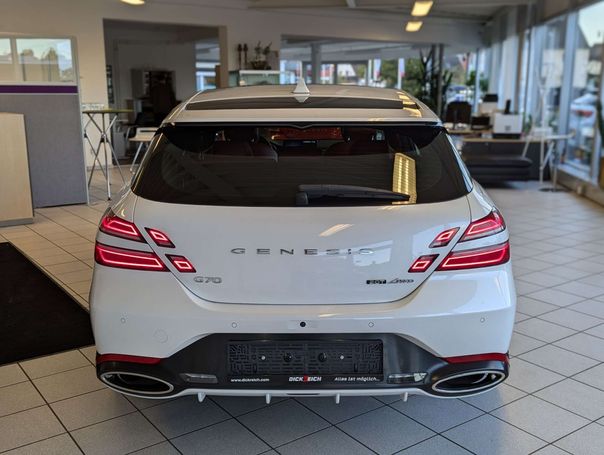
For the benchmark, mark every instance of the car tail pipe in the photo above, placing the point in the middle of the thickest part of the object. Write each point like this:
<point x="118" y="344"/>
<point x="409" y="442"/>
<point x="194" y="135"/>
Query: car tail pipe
<point x="469" y="375"/>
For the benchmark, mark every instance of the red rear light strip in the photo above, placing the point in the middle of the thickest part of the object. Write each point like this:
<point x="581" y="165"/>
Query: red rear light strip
<point x="116" y="226"/>
<point x="444" y="238"/>
<point x="422" y="263"/>
<point x="181" y="263"/>
<point x="489" y="225"/>
<point x="100" y="358"/>
<point x="123" y="258"/>
<point x="475" y="258"/>
<point x="160" y="238"/>
<point x="478" y="358"/>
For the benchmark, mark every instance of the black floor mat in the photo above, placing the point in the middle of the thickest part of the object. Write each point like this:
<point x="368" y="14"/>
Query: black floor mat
<point x="36" y="316"/>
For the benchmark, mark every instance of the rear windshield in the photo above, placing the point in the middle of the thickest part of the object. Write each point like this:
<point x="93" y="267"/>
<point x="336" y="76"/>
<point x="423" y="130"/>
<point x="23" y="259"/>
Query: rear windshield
<point x="269" y="165"/>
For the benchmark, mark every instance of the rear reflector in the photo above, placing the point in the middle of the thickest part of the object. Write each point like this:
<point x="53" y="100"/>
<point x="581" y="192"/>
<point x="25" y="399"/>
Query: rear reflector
<point x="478" y="257"/>
<point x="489" y="225"/>
<point x="100" y="358"/>
<point x="111" y="256"/>
<point x="422" y="263"/>
<point x="160" y="238"/>
<point x="114" y="225"/>
<point x="478" y="358"/>
<point x="444" y="238"/>
<point x="181" y="263"/>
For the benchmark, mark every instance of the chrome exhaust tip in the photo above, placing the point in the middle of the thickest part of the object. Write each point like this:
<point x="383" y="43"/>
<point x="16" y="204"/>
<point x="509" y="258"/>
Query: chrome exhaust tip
<point x="136" y="383"/>
<point x="469" y="382"/>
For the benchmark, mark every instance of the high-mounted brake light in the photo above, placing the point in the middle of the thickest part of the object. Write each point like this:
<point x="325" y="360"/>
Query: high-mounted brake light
<point x="489" y="225"/>
<point x="123" y="258"/>
<point x="113" y="225"/>
<point x="160" y="238"/>
<point x="422" y="263"/>
<point x="181" y="263"/>
<point x="477" y="257"/>
<point x="444" y="238"/>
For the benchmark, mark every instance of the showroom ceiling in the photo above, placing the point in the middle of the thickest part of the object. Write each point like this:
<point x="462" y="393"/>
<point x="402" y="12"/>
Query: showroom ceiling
<point x="474" y="10"/>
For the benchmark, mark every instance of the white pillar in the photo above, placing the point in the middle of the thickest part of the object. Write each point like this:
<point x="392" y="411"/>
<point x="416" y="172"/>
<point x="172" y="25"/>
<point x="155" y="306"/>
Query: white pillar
<point x="315" y="63"/>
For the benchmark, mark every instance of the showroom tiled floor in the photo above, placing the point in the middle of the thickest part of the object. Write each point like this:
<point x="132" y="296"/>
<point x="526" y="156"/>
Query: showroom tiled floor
<point x="553" y="402"/>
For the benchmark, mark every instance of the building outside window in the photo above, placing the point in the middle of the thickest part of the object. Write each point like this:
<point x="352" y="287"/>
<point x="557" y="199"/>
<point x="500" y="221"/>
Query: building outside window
<point x="41" y="60"/>
<point x="205" y="75"/>
<point x="351" y="73"/>
<point x="585" y="90"/>
<point x="548" y="71"/>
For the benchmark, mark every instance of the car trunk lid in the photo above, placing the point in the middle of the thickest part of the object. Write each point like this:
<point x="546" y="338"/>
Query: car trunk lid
<point x="302" y="255"/>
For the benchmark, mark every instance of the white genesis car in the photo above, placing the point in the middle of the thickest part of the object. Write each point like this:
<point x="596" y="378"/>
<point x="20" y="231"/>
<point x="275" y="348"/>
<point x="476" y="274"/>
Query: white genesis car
<point x="281" y="241"/>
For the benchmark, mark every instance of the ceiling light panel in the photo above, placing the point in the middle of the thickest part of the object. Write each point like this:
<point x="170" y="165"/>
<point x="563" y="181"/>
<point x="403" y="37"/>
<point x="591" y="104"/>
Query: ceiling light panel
<point x="413" y="26"/>
<point x="421" y="8"/>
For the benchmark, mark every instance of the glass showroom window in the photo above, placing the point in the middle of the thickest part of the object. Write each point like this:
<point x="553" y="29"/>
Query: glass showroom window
<point x="352" y="73"/>
<point x="328" y="73"/>
<point x="7" y="67"/>
<point x="585" y="90"/>
<point x="45" y="60"/>
<point x="547" y="73"/>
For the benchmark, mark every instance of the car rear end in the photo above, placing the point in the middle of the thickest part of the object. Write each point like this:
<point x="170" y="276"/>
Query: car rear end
<point x="302" y="256"/>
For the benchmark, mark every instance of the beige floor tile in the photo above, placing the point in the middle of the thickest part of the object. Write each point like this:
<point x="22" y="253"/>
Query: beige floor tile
<point x="91" y="408"/>
<point x="28" y="426"/>
<point x="75" y="276"/>
<point x="85" y="255"/>
<point x="57" y="445"/>
<point x="55" y="259"/>
<point x="69" y="383"/>
<point x="81" y="287"/>
<point x="74" y="239"/>
<point x="11" y="374"/>
<point x="82" y="245"/>
<point x="46" y="366"/>
<point x="66" y="267"/>
<point x="90" y="353"/>
<point x="41" y="253"/>
<point x="19" y="397"/>
<point x="128" y="433"/>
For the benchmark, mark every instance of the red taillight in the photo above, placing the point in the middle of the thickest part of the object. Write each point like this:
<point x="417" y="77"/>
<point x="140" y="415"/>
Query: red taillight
<point x="100" y="358"/>
<point x="181" y="263"/>
<point x="475" y="258"/>
<point x="491" y="224"/>
<point x="111" y="256"/>
<point x="444" y="238"/>
<point x="114" y="225"/>
<point x="422" y="263"/>
<point x="478" y="358"/>
<point x="160" y="238"/>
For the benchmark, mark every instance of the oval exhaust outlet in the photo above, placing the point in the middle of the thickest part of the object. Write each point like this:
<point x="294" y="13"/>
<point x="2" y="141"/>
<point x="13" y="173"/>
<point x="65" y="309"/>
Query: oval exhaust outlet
<point x="136" y="383"/>
<point x="468" y="382"/>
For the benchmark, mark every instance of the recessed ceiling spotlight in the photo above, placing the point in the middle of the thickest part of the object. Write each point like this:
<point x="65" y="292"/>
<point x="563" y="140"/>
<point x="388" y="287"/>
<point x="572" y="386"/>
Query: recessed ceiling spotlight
<point x="134" y="2"/>
<point x="421" y="8"/>
<point x="413" y="26"/>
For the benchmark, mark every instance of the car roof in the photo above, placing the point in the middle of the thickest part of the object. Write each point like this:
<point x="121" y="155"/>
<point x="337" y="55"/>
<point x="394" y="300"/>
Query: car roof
<point x="301" y="103"/>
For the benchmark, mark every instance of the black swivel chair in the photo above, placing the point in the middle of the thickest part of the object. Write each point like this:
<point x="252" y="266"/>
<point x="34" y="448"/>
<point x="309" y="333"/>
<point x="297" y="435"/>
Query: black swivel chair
<point x="458" y="112"/>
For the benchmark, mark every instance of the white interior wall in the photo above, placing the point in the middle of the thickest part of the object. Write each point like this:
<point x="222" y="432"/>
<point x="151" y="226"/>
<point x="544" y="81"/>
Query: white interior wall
<point x="179" y="58"/>
<point x="83" y="20"/>
<point x="176" y="57"/>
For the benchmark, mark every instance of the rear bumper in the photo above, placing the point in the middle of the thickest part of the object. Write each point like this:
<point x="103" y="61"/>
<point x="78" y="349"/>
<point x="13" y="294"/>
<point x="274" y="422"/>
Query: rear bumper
<point x="210" y="367"/>
<point x="451" y="314"/>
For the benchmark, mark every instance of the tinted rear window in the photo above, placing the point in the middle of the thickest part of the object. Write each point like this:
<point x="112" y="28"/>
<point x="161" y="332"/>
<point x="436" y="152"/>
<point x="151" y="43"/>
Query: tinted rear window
<point x="264" y="165"/>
